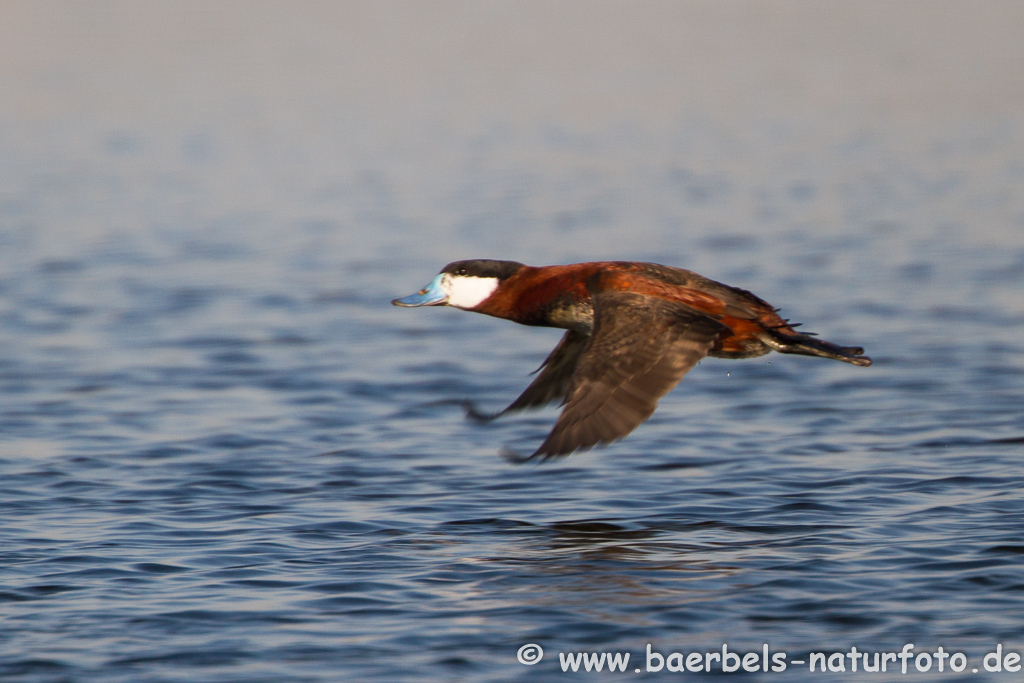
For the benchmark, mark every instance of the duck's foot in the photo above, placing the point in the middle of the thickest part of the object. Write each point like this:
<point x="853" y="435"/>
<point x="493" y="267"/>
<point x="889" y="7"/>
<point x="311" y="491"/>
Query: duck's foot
<point x="806" y="345"/>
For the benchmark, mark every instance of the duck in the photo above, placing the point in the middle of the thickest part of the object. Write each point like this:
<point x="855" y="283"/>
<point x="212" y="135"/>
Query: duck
<point x="633" y="330"/>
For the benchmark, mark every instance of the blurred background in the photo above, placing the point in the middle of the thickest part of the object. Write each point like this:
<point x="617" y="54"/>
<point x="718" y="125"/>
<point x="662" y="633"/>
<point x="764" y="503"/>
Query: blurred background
<point x="220" y="448"/>
<point x="414" y="130"/>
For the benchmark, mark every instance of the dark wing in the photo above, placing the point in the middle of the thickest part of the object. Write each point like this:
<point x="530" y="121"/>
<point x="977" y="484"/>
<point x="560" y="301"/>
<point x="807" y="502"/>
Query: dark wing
<point x="553" y="381"/>
<point x="641" y="347"/>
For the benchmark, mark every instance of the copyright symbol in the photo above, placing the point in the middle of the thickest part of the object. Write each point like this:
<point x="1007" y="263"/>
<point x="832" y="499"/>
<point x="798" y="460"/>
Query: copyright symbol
<point x="530" y="654"/>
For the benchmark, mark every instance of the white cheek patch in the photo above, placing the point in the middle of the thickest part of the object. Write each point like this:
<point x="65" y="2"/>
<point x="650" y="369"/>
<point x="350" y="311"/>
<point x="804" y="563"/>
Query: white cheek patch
<point x="465" y="291"/>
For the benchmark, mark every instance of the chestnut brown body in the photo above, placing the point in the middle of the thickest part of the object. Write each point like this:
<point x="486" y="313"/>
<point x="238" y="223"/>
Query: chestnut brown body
<point x="633" y="330"/>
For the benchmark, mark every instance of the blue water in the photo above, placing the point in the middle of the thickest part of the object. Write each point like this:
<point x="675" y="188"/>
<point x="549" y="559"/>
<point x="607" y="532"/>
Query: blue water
<point x="225" y="457"/>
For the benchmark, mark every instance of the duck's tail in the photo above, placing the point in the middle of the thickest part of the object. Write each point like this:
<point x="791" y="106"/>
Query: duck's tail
<point x="792" y="341"/>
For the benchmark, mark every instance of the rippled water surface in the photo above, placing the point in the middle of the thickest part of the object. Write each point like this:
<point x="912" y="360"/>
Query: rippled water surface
<point x="225" y="457"/>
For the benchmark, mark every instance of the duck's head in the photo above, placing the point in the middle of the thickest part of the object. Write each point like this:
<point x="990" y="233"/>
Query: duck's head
<point x="463" y="284"/>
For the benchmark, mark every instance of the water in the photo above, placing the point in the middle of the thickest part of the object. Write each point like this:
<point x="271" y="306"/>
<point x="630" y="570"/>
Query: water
<point x="225" y="457"/>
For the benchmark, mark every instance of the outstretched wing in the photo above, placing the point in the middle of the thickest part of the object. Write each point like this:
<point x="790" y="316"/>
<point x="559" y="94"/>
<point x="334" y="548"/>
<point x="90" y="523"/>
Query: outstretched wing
<point x="641" y="347"/>
<point x="553" y="381"/>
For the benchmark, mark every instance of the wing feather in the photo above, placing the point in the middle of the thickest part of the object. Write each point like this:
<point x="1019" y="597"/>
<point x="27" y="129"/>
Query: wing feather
<point x="552" y="382"/>
<point x="641" y="347"/>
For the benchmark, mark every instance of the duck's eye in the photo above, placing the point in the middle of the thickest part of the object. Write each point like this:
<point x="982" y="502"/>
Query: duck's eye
<point x="461" y="271"/>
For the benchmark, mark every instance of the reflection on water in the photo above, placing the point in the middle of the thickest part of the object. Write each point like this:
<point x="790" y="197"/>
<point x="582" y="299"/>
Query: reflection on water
<point x="224" y="456"/>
